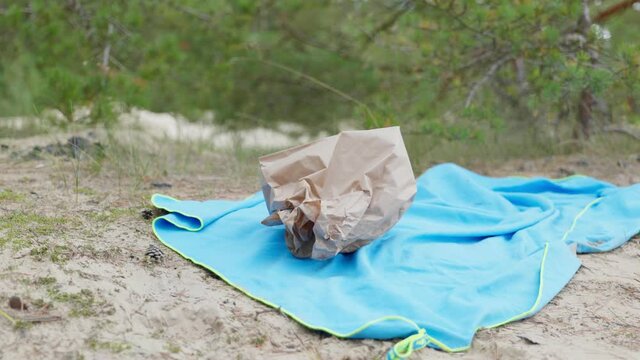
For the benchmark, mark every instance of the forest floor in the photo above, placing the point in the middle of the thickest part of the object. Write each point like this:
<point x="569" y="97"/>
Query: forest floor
<point x="73" y="242"/>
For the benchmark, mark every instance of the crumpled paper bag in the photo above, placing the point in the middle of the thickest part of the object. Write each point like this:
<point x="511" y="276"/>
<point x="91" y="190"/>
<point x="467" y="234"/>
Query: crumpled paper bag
<point x="339" y="193"/>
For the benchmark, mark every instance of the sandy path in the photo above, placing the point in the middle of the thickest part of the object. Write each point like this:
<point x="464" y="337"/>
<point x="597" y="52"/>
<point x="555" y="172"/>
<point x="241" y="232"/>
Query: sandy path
<point x="83" y="260"/>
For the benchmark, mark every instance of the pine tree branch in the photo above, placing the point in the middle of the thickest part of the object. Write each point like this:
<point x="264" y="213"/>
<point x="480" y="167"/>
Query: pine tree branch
<point x="612" y="10"/>
<point x="623" y="131"/>
<point x="388" y="23"/>
<point x="487" y="76"/>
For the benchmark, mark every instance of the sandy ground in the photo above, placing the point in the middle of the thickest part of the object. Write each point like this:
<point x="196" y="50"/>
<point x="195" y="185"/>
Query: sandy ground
<point x="74" y="253"/>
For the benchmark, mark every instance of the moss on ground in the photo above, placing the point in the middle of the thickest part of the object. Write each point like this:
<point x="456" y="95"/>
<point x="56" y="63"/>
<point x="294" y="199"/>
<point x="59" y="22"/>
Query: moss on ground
<point x="19" y="229"/>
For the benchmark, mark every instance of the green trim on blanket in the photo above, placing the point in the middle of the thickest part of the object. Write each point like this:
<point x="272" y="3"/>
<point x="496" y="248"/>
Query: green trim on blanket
<point x="404" y="347"/>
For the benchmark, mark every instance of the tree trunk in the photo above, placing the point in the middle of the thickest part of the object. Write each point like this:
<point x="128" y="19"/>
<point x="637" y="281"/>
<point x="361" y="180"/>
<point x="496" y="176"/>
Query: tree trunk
<point x="584" y="115"/>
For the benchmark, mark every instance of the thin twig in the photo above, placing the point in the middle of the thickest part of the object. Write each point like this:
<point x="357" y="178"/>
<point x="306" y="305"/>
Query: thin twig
<point x="476" y="59"/>
<point x="107" y="49"/>
<point x="27" y="11"/>
<point x="622" y="131"/>
<point x="40" y="318"/>
<point x="118" y="63"/>
<point x="14" y="273"/>
<point x="487" y="76"/>
<point x="309" y="78"/>
<point x="387" y="24"/>
<point x="306" y="40"/>
<point x="458" y="18"/>
<point x="193" y="12"/>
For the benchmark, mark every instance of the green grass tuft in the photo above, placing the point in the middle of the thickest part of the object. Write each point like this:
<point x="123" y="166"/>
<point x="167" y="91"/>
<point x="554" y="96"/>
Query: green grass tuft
<point x="259" y="340"/>
<point x="172" y="348"/>
<point x="83" y="303"/>
<point x="58" y="254"/>
<point x="22" y="325"/>
<point x="9" y="195"/>
<point x="111" y="346"/>
<point x="19" y="229"/>
<point x="45" y="281"/>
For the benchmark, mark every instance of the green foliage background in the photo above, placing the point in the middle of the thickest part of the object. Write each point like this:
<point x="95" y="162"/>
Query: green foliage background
<point x="455" y="69"/>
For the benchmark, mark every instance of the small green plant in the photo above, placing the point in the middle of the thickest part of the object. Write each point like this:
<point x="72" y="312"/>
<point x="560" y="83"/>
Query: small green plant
<point x="9" y="195"/>
<point x="58" y="254"/>
<point x="45" y="281"/>
<point x="83" y="303"/>
<point x="111" y="346"/>
<point x="39" y="253"/>
<point x="40" y="303"/>
<point x="22" y="325"/>
<point x="259" y="340"/>
<point x="172" y="348"/>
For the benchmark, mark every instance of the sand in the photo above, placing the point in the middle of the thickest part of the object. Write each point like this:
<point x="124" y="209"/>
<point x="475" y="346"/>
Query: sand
<point x="75" y="255"/>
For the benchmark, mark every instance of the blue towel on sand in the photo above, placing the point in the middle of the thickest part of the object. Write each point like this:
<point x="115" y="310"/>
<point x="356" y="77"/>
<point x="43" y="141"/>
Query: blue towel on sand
<point x="471" y="252"/>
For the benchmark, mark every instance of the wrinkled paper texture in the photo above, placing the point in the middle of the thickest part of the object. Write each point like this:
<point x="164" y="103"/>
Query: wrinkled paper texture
<point x="339" y="193"/>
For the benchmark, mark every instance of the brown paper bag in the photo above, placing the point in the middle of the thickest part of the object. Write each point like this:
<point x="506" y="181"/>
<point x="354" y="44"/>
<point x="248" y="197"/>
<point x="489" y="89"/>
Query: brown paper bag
<point x="339" y="193"/>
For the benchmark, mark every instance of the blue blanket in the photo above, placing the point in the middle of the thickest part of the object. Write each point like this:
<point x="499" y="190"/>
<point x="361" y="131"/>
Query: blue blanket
<point x="471" y="252"/>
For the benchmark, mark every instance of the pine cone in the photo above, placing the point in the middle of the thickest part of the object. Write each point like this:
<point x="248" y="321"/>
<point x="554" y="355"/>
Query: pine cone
<point x="152" y="213"/>
<point x="146" y="214"/>
<point x="154" y="253"/>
